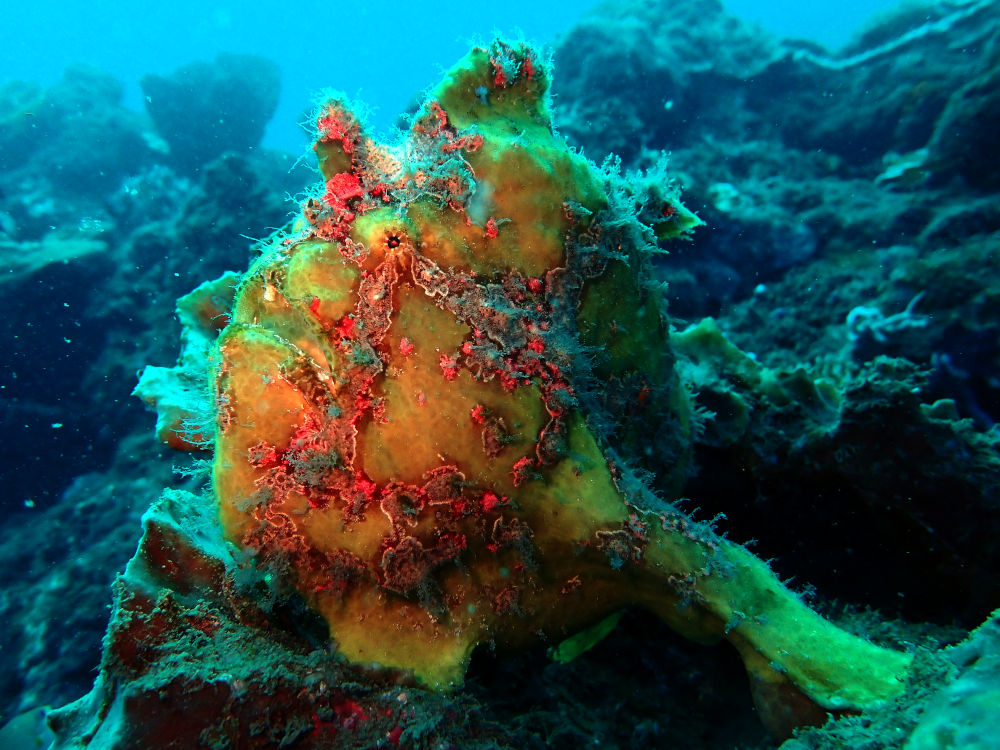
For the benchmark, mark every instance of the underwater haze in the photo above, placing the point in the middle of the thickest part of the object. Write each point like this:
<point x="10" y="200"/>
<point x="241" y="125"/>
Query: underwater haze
<point x="382" y="53"/>
<point x="516" y="375"/>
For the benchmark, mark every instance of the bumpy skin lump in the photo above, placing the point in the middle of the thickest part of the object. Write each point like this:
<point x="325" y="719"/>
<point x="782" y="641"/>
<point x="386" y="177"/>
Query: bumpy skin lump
<point x="425" y="390"/>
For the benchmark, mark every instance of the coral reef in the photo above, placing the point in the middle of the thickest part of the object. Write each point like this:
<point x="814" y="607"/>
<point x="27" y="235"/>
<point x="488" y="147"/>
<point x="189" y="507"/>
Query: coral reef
<point x="427" y="398"/>
<point x="101" y="239"/>
<point x="204" y="109"/>
<point x="954" y="706"/>
<point x="840" y="410"/>
<point x="833" y="242"/>
<point x="86" y="103"/>
<point x="895" y="157"/>
<point x="50" y="603"/>
<point x="963" y="714"/>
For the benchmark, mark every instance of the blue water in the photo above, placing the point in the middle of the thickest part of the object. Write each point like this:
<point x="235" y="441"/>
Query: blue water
<point x="382" y="53"/>
<point x="828" y="22"/>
